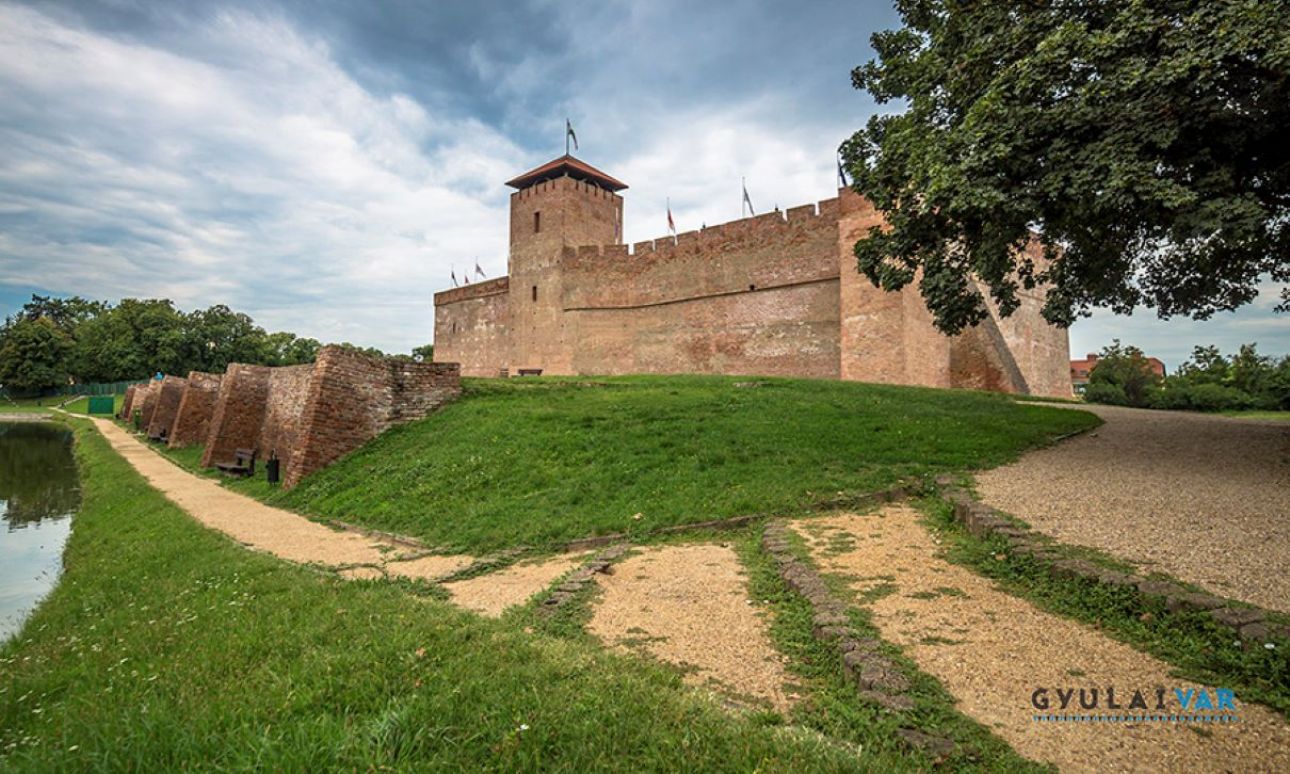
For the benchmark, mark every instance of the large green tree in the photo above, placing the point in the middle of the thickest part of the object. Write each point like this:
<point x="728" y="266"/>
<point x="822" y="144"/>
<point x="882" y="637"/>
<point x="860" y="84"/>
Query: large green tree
<point x="1143" y="141"/>
<point x="33" y="355"/>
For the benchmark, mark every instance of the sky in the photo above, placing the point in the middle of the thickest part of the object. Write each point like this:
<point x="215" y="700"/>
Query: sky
<point x="324" y="166"/>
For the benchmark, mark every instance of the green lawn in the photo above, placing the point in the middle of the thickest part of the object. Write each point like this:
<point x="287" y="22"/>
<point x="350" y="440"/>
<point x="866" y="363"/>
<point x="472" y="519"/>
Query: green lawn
<point x="1276" y="416"/>
<point x="540" y="461"/>
<point x="167" y="646"/>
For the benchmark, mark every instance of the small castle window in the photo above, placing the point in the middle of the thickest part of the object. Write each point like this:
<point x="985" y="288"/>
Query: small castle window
<point x="752" y="287"/>
<point x="535" y="292"/>
<point x="537" y="222"/>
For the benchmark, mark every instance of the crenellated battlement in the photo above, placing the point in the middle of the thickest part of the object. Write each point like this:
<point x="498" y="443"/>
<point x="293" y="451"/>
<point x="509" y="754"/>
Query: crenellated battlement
<point x="563" y="184"/>
<point x="490" y="287"/>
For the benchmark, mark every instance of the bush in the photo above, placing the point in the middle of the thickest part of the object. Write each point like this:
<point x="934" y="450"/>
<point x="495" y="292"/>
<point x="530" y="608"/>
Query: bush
<point x="1110" y="394"/>
<point x="1216" y="397"/>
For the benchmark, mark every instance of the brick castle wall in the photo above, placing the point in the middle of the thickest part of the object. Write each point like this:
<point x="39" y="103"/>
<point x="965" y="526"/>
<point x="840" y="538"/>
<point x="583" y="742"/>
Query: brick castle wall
<point x="354" y="397"/>
<point x="473" y="327"/>
<point x="169" y="394"/>
<point x="284" y="406"/>
<point x="239" y="412"/>
<point x="196" y="407"/>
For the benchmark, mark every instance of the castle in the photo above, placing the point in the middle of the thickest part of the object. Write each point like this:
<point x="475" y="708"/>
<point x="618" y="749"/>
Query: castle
<point x="775" y="294"/>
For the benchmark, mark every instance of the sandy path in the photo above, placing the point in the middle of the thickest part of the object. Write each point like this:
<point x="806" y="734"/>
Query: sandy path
<point x="1203" y="498"/>
<point x="992" y="650"/>
<point x="493" y="593"/>
<point x="689" y="605"/>
<point x="249" y="521"/>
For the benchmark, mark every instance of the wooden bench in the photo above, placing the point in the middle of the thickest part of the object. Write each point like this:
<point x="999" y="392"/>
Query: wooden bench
<point x="243" y="463"/>
<point x="530" y="372"/>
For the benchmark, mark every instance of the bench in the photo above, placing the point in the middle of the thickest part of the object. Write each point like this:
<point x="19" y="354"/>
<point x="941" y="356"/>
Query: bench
<point x="243" y="463"/>
<point x="530" y="372"/>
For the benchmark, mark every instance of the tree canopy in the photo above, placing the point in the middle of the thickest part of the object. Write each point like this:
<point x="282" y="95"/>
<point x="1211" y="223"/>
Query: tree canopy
<point x="54" y="342"/>
<point x="1141" y="142"/>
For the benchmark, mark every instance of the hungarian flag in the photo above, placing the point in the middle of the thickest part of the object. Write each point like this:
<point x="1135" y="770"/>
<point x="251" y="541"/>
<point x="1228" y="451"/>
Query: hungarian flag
<point x="569" y="134"/>
<point x="671" y="224"/>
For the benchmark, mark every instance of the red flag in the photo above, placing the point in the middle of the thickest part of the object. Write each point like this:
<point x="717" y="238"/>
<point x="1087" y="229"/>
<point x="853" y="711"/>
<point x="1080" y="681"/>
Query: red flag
<point x="671" y="225"/>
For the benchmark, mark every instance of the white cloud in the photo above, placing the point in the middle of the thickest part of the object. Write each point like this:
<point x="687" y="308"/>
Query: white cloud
<point x="259" y="175"/>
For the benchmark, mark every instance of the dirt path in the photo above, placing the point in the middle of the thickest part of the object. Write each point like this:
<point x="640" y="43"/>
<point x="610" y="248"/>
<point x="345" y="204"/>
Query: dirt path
<point x="689" y="605"/>
<point x="992" y="650"/>
<point x="1203" y="498"/>
<point x="493" y="593"/>
<point x="263" y="528"/>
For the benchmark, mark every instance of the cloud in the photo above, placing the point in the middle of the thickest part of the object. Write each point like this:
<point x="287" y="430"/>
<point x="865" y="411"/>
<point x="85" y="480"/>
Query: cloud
<point x="268" y="179"/>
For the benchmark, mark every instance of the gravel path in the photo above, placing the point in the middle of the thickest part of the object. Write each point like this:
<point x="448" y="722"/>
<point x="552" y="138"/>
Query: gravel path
<point x="689" y="605"/>
<point x="992" y="650"/>
<point x="258" y="526"/>
<point x="493" y="593"/>
<point x="1203" y="498"/>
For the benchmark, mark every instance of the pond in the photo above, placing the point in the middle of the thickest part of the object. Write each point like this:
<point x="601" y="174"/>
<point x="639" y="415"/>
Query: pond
<point x="39" y="492"/>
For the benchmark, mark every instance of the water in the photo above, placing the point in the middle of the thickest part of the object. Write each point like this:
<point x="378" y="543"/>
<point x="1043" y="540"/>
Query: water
<point x="38" y="494"/>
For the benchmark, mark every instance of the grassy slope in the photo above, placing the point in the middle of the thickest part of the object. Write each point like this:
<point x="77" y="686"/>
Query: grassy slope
<point x="542" y="461"/>
<point x="167" y="646"/>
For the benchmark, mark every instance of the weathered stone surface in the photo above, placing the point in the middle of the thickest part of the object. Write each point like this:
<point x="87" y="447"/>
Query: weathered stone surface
<point x="881" y="675"/>
<point x="1160" y="589"/>
<point x="1236" y="617"/>
<point x="1255" y="632"/>
<point x="893" y="702"/>
<point x="1192" y="601"/>
<point x="933" y="745"/>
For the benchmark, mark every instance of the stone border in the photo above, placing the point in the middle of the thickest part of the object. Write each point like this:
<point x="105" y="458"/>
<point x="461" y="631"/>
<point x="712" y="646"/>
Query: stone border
<point x="1250" y="624"/>
<point x="878" y="679"/>
<point x="572" y="585"/>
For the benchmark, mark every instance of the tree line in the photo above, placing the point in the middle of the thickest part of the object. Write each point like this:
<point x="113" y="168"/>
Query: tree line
<point x="1208" y="381"/>
<point x="54" y="342"/>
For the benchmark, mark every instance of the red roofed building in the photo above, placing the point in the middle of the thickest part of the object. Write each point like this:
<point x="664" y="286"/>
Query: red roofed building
<point x="1081" y="369"/>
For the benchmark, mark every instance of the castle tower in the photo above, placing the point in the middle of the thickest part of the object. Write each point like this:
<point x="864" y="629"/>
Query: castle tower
<point x="563" y="203"/>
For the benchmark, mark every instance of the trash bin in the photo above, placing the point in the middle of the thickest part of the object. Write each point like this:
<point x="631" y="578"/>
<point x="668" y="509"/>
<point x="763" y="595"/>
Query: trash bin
<point x="271" y="470"/>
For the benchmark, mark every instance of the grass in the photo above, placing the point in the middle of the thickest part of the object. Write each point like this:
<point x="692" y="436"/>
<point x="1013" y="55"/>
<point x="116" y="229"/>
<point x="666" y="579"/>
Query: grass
<point x="1276" y="416"/>
<point x="1201" y="649"/>
<point x="541" y="461"/>
<point x="167" y="646"/>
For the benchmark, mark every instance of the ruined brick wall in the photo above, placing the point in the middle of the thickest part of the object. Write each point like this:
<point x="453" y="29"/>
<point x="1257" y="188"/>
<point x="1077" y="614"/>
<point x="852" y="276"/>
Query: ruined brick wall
<point x="148" y="403"/>
<point x="284" y="406"/>
<point x="169" y="393"/>
<point x="128" y="402"/>
<point x="755" y="296"/>
<point x="196" y="407"/>
<point x="239" y="412"/>
<point x="353" y="398"/>
<point x="472" y="327"/>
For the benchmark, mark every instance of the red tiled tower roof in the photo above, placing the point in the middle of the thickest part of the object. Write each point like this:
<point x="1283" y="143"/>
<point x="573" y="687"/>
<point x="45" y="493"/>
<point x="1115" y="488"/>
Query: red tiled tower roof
<point x="567" y="165"/>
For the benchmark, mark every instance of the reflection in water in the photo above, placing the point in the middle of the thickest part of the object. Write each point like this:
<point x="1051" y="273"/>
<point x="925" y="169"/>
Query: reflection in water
<point x="38" y="494"/>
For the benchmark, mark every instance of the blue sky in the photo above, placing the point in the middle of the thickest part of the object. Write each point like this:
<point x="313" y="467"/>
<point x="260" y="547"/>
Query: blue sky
<point x="323" y="166"/>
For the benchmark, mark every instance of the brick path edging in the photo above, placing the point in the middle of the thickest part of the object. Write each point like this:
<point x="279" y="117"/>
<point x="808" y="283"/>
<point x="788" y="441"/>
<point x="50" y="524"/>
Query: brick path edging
<point x="571" y="586"/>
<point x="878" y="679"/>
<point x="1250" y="624"/>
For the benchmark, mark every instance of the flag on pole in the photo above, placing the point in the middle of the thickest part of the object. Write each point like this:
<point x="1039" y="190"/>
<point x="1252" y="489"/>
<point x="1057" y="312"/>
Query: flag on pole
<point x="478" y="271"/>
<point x="747" y="200"/>
<point x="569" y="134"/>
<point x="842" y="175"/>
<point x="454" y="278"/>
<point x="671" y="224"/>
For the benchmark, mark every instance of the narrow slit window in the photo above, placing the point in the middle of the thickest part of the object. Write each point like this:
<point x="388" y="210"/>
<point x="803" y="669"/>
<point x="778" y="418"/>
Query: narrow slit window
<point x="535" y="292"/>
<point x="537" y="222"/>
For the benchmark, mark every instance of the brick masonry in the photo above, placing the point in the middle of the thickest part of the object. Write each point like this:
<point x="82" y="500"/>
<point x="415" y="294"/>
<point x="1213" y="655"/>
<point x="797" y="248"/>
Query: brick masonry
<point x="775" y="294"/>
<point x="196" y="407"/>
<point x="128" y="402"/>
<point x="239" y="412"/>
<point x="148" y="402"/>
<point x="353" y="397"/>
<point x="169" y="393"/>
<point x="284" y="406"/>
